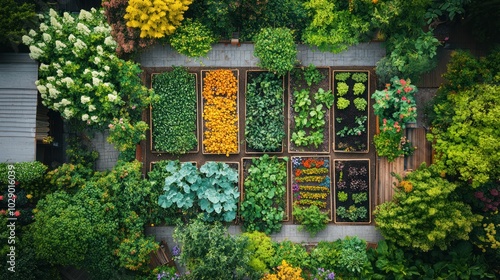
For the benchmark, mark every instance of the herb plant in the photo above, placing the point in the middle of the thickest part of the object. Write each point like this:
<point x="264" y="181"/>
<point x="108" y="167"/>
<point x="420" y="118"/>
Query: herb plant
<point x="360" y="103"/>
<point x="342" y="89"/>
<point x="263" y="206"/>
<point x="342" y="103"/>
<point x="264" y="122"/>
<point x="358" y="88"/>
<point x="342" y="76"/>
<point x="312" y="75"/>
<point x="360" y="77"/>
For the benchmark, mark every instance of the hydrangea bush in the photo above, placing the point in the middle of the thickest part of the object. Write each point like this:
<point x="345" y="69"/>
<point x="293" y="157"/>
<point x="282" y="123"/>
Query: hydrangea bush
<point x="80" y="75"/>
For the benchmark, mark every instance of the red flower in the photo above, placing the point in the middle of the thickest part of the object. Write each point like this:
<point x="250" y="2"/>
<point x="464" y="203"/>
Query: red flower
<point x="399" y="91"/>
<point x="2" y="212"/>
<point x="403" y="82"/>
<point x="407" y="89"/>
<point x="1" y="197"/>
<point x="17" y="213"/>
<point x="403" y="98"/>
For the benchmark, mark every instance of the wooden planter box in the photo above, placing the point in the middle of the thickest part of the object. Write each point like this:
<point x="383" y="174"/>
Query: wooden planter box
<point x="245" y="164"/>
<point x="151" y="133"/>
<point x="236" y="75"/>
<point x="345" y="119"/>
<point x="300" y="84"/>
<point x="301" y="187"/>
<point x="355" y="175"/>
<point x="248" y="150"/>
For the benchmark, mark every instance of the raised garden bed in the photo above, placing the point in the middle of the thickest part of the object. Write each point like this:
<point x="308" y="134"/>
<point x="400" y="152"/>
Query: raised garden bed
<point x="264" y="193"/>
<point x="310" y="100"/>
<point x="220" y="111"/>
<point x="352" y="106"/>
<point x="352" y="191"/>
<point x="174" y="115"/>
<point x="310" y="183"/>
<point x="264" y="112"/>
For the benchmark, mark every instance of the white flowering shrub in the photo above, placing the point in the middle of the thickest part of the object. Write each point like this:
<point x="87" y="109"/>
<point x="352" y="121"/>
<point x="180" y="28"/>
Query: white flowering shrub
<point x="79" y="75"/>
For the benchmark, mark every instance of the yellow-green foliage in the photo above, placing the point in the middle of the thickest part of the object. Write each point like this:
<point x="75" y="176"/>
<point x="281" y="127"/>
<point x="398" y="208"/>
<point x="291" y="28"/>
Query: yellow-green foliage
<point x="285" y="272"/>
<point x="426" y="216"/>
<point x="156" y="18"/>
<point x="261" y="247"/>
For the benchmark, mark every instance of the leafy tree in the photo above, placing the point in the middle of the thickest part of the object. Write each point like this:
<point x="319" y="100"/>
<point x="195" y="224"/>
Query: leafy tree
<point x="427" y="215"/>
<point x="465" y="119"/>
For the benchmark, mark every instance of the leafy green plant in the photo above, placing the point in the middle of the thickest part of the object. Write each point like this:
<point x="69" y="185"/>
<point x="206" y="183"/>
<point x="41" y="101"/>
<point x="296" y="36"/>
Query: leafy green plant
<point x="342" y="76"/>
<point x="218" y="192"/>
<point x="342" y="103"/>
<point x="325" y="254"/>
<point x="262" y="251"/>
<point x="309" y="116"/>
<point x="263" y="206"/>
<point x="357" y="130"/>
<point x="352" y="213"/>
<point x="342" y="89"/>
<point x="420" y="213"/>
<point x="264" y="121"/>
<point x="358" y="88"/>
<point x="174" y="111"/>
<point x="125" y="136"/>
<point x="408" y="56"/>
<point x="192" y="39"/>
<point x="342" y="196"/>
<point x="311" y="219"/>
<point x="213" y="189"/>
<point x="353" y="259"/>
<point x="359" y="197"/>
<point x="312" y="75"/>
<point x="360" y="103"/>
<point x="276" y="50"/>
<point x="359" y="77"/>
<point x="209" y="252"/>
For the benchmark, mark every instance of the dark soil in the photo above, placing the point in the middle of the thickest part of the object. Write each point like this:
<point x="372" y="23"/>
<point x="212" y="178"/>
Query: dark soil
<point x="297" y="82"/>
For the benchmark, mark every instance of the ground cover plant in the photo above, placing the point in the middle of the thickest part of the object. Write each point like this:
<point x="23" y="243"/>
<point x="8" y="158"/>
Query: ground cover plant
<point x="264" y="112"/>
<point x="351" y="113"/>
<point x="220" y="112"/>
<point x="174" y="111"/>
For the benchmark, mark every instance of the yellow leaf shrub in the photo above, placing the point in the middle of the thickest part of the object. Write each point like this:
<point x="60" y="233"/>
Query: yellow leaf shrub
<point x="285" y="272"/>
<point x="220" y="114"/>
<point x="156" y="18"/>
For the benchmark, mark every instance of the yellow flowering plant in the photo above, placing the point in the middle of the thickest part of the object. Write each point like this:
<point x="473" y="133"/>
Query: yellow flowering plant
<point x="220" y="114"/>
<point x="156" y="18"/>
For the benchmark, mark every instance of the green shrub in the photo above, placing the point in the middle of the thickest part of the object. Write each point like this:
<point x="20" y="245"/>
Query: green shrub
<point x="192" y="39"/>
<point x="293" y="253"/>
<point x="15" y="22"/>
<point x="276" y="50"/>
<point x="262" y="251"/>
<point x="209" y="252"/>
<point x="428" y="216"/>
<point x="311" y="219"/>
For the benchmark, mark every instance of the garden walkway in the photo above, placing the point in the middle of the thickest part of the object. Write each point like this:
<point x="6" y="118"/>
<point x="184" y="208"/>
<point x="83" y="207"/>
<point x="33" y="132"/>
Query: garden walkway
<point x="227" y="55"/>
